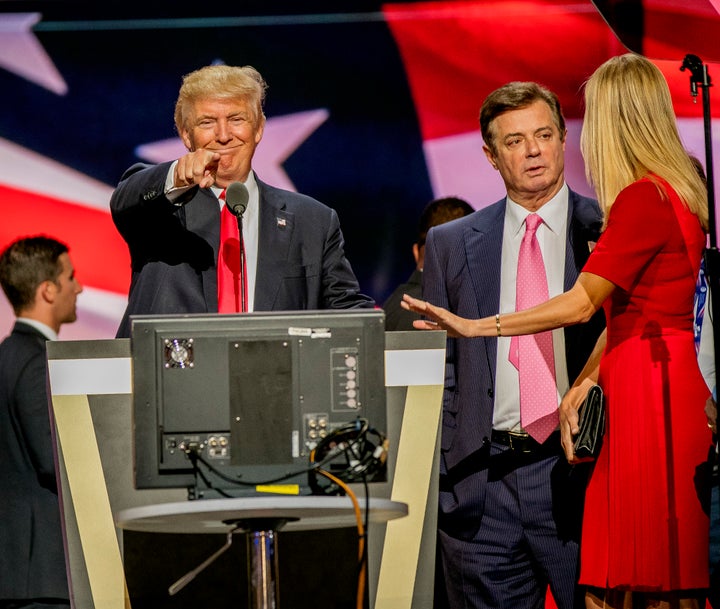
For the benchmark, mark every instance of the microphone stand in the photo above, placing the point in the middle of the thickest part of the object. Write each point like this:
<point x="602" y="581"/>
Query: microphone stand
<point x="699" y="78"/>
<point x="243" y="279"/>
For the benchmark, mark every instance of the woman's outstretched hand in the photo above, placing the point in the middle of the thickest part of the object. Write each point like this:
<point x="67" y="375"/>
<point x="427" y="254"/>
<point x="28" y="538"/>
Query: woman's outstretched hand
<point x="438" y="318"/>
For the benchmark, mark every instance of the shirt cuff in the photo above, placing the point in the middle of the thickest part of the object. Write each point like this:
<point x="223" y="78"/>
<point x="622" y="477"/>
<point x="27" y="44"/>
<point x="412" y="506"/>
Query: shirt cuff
<point x="172" y="192"/>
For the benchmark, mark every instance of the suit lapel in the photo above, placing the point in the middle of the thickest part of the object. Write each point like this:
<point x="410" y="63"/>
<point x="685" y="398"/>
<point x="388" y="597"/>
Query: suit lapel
<point x="483" y="250"/>
<point x="202" y="217"/>
<point x="571" y="270"/>
<point x="276" y="228"/>
<point x="576" y="254"/>
<point x="578" y="248"/>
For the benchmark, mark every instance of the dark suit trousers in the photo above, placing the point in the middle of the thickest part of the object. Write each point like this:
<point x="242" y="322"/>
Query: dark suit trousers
<point x="528" y="536"/>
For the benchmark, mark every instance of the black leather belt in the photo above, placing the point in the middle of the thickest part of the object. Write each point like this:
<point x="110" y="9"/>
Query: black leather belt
<point x="517" y="441"/>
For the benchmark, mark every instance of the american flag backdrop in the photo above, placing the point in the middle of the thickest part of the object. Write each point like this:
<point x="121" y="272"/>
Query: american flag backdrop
<point x="372" y="108"/>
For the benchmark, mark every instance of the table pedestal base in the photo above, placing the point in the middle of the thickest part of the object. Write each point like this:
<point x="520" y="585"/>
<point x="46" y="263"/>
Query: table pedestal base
<point x="263" y="583"/>
<point x="262" y="560"/>
<point x="259" y="518"/>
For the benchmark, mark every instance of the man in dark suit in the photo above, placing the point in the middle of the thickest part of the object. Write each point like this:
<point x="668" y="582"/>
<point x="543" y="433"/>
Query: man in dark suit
<point x="37" y="276"/>
<point x="171" y="214"/>
<point x="438" y="211"/>
<point x="510" y="506"/>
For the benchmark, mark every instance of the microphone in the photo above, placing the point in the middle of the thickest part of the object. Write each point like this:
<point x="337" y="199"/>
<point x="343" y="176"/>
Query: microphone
<point x="236" y="198"/>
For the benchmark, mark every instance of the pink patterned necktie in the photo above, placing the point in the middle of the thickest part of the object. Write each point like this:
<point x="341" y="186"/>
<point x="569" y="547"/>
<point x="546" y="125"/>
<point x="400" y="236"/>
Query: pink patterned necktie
<point x="533" y="355"/>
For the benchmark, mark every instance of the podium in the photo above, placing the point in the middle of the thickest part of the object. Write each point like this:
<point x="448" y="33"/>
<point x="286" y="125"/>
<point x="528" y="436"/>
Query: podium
<point x="90" y="388"/>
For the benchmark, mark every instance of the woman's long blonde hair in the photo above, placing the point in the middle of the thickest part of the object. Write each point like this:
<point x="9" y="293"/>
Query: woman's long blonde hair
<point x="630" y="131"/>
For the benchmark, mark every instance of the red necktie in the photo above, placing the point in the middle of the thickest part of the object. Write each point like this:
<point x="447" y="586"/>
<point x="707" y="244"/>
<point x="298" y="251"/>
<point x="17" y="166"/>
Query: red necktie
<point x="231" y="267"/>
<point x="533" y="355"/>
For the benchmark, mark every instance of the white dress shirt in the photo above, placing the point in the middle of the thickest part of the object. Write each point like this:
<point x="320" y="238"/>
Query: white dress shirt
<point x="552" y="238"/>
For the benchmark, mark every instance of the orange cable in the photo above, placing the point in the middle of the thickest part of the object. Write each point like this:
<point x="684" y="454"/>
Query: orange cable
<point x="361" y="534"/>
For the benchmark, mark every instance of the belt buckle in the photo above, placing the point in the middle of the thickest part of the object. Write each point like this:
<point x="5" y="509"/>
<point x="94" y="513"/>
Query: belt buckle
<point x="519" y="442"/>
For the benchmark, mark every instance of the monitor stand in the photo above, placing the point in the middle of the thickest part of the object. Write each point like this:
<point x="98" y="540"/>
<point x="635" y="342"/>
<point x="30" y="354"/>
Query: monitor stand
<point x="260" y="519"/>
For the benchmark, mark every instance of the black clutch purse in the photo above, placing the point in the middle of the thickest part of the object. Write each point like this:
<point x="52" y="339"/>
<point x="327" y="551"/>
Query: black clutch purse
<point x="592" y="425"/>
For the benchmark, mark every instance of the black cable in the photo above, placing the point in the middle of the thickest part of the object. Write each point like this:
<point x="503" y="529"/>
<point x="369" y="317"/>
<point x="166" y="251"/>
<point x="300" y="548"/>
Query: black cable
<point x="359" y="447"/>
<point x="364" y="559"/>
<point x="363" y="458"/>
<point x="194" y="457"/>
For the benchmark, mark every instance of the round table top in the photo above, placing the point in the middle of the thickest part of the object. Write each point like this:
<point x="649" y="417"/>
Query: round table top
<point x="287" y="512"/>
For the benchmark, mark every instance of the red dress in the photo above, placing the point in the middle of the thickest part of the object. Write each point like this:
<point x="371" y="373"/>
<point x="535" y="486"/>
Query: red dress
<point x="643" y="526"/>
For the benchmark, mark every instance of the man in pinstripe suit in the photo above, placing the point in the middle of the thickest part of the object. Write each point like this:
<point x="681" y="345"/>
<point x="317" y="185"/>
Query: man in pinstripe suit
<point x="510" y="507"/>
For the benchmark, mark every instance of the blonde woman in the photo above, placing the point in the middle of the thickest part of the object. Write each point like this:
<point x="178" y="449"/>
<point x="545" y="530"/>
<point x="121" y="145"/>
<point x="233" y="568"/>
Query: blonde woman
<point x="645" y="536"/>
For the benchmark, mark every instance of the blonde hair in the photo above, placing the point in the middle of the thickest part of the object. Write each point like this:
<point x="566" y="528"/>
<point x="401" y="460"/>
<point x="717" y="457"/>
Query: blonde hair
<point x="630" y="131"/>
<point x="221" y="82"/>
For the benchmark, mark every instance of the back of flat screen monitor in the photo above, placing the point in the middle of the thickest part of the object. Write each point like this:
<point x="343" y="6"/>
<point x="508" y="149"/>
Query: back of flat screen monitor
<point x="224" y="404"/>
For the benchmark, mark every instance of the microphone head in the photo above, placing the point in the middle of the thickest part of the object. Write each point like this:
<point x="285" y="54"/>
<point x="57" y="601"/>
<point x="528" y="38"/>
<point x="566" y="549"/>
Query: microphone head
<point x="236" y="198"/>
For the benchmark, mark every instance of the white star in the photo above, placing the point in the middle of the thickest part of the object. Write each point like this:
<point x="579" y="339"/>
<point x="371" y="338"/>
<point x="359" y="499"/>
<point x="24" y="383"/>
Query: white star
<point x="27" y="170"/>
<point x="283" y="135"/>
<point x="22" y="53"/>
<point x="99" y="311"/>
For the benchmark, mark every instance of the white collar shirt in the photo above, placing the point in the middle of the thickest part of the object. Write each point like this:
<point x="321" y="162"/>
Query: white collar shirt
<point x="552" y="238"/>
<point x="45" y="330"/>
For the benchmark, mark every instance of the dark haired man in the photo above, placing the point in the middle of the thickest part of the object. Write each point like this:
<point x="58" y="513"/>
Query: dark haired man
<point x="510" y="505"/>
<point x="38" y="278"/>
<point x="438" y="211"/>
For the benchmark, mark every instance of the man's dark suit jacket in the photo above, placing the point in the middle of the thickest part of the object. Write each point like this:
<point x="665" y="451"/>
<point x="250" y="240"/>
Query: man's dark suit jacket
<point x="462" y="274"/>
<point x="399" y="319"/>
<point x="32" y="559"/>
<point x="301" y="259"/>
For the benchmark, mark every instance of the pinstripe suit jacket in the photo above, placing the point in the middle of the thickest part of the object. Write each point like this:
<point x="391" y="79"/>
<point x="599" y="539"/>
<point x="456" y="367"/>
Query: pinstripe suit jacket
<point x="462" y="274"/>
